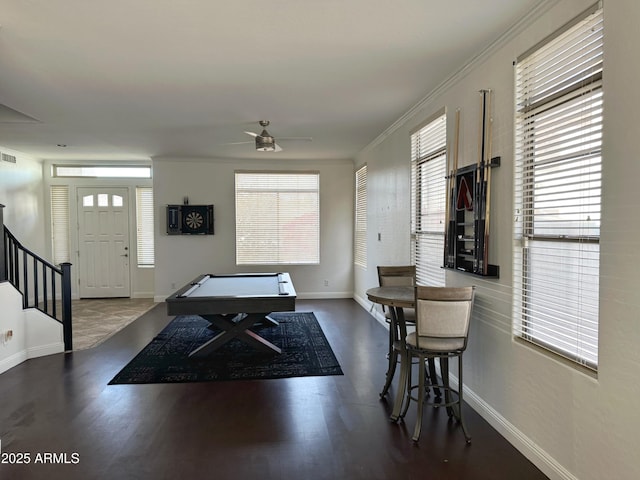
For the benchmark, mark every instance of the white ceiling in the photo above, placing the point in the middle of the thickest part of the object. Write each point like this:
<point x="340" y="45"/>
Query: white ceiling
<point x="134" y="79"/>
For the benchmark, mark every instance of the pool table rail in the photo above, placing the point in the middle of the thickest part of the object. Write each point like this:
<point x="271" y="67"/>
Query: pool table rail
<point x="180" y="303"/>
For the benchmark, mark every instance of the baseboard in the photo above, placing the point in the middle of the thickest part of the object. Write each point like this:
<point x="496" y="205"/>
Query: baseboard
<point x="43" y="350"/>
<point x="371" y="308"/>
<point x="143" y="295"/>
<point x="536" y="455"/>
<point x="323" y="295"/>
<point x="12" y="361"/>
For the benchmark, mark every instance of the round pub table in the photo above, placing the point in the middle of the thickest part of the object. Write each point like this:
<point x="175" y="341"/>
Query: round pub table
<point x="396" y="298"/>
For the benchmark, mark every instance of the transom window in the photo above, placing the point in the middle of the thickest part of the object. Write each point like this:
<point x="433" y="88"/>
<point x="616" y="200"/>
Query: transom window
<point x="102" y="171"/>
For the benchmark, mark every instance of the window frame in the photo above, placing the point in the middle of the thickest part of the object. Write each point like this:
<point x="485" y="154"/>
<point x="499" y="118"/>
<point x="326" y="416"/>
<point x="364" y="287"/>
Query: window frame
<point x="360" y="218"/>
<point x="558" y="191"/>
<point x="60" y="224"/>
<point x="145" y="224"/>
<point x="295" y="243"/>
<point x="100" y="171"/>
<point x="429" y="169"/>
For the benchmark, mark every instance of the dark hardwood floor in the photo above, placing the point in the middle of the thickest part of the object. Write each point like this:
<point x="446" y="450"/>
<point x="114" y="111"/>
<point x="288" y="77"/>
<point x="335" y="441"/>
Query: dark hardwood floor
<point x="333" y="427"/>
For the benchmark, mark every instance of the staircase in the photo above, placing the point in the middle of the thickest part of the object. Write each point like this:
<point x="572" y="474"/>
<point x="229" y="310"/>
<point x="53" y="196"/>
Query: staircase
<point x="43" y="286"/>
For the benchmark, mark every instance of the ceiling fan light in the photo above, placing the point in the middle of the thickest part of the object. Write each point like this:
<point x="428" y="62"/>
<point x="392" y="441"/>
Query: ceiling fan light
<point x="265" y="143"/>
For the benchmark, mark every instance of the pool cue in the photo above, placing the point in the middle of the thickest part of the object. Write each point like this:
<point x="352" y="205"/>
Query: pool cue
<point x="478" y="189"/>
<point x="489" y="141"/>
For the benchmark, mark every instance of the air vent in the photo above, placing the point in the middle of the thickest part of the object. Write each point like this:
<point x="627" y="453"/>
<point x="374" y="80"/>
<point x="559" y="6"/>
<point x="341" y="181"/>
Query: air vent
<point x="8" y="158"/>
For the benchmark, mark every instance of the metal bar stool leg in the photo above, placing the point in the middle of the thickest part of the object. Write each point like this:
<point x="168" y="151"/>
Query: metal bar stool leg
<point x="421" y="395"/>
<point x="405" y="365"/>
<point x="460" y="387"/>
<point x="434" y="378"/>
<point x="444" y="372"/>
<point x="409" y="380"/>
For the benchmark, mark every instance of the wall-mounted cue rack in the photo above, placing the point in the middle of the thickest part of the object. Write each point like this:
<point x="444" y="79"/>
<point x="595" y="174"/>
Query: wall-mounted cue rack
<point x="469" y="204"/>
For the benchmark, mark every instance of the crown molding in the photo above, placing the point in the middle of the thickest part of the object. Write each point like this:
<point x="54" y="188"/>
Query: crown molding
<point x="528" y="19"/>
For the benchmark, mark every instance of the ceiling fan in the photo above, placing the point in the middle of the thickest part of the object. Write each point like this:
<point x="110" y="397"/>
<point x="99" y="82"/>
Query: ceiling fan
<point x="265" y="142"/>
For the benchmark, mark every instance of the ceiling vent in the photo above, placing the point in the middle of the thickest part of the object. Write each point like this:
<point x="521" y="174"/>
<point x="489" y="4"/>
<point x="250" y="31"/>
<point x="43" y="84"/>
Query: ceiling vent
<point x="8" y="158"/>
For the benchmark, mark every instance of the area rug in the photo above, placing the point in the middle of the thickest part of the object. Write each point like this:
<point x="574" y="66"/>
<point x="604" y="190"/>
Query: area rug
<point x="305" y="352"/>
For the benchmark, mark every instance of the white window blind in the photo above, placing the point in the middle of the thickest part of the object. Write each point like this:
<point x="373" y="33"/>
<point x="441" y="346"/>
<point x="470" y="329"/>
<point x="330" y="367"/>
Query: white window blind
<point x="428" y="200"/>
<point x="277" y="218"/>
<point x="360" y="237"/>
<point x="144" y="227"/>
<point x="558" y="181"/>
<point x="60" y="224"/>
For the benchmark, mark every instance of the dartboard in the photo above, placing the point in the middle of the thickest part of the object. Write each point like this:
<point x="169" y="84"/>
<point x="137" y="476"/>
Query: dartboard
<point x="194" y="220"/>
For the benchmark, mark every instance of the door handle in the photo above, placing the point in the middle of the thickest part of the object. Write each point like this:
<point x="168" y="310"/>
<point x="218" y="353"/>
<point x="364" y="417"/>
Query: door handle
<point x="125" y="255"/>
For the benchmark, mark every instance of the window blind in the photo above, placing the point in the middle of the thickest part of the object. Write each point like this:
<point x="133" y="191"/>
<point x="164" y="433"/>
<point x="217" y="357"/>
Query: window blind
<point x="60" y="224"/>
<point x="277" y="218"/>
<point x="360" y="237"/>
<point x="558" y="191"/>
<point x="428" y="200"/>
<point x="144" y="227"/>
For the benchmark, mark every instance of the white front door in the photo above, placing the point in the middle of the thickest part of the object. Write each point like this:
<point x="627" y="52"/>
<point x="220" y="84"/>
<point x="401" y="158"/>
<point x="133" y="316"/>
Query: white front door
<point x="103" y="242"/>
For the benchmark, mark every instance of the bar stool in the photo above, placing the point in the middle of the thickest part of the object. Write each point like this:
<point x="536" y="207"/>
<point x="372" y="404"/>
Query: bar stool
<point x="443" y="315"/>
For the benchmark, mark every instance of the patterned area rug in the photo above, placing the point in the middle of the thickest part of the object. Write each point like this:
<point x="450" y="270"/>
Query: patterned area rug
<point x="305" y="352"/>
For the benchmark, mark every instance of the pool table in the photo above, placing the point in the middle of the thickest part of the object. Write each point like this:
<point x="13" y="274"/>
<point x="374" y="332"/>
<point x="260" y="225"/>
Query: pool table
<point x="233" y="303"/>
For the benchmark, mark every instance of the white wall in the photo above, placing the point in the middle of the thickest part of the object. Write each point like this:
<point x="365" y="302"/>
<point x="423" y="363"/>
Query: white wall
<point x="12" y="352"/>
<point x="570" y="423"/>
<point x="33" y="333"/>
<point x="180" y="259"/>
<point x="21" y="193"/>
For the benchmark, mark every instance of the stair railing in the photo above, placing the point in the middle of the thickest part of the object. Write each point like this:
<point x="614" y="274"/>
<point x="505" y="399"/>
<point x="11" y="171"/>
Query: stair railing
<point x="43" y="285"/>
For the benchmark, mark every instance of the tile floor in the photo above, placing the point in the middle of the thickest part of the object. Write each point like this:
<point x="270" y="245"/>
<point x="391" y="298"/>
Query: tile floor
<point x="95" y="320"/>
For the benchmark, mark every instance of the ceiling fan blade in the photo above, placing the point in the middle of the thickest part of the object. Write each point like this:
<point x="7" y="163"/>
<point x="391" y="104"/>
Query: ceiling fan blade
<point x="277" y="147"/>
<point x="252" y="134"/>
<point x="237" y="143"/>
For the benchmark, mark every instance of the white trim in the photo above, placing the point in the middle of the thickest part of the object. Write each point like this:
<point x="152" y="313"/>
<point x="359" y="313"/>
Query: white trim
<point x="43" y="350"/>
<point x="539" y="457"/>
<point x="15" y="359"/>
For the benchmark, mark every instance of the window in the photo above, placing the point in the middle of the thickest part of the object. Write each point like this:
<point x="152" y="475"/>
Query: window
<point x="102" y="171"/>
<point x="428" y="200"/>
<point x="144" y="222"/>
<point x="559" y="108"/>
<point x="360" y="236"/>
<point x="60" y="224"/>
<point x="277" y="218"/>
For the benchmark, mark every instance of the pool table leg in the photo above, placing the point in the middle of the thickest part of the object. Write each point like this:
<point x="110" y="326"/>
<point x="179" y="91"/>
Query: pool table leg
<point x="268" y="321"/>
<point x="232" y="328"/>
